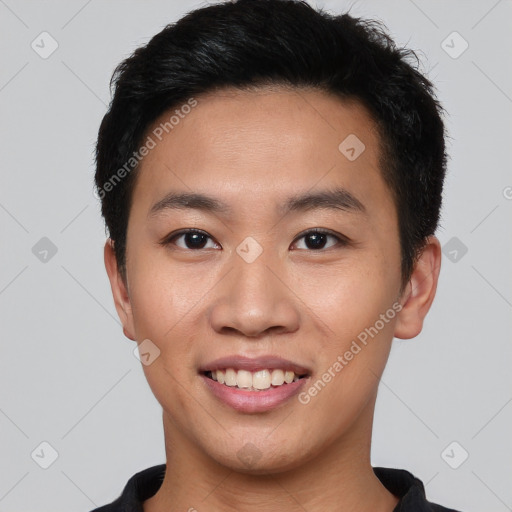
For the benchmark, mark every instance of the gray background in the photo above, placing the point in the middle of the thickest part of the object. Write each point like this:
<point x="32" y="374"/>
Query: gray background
<point x="69" y="377"/>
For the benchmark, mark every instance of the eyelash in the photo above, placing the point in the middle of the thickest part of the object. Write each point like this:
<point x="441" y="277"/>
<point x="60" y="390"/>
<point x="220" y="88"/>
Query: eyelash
<point x="341" y="240"/>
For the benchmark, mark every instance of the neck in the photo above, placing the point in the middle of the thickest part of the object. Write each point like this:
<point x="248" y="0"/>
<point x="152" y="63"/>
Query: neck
<point x="340" y="478"/>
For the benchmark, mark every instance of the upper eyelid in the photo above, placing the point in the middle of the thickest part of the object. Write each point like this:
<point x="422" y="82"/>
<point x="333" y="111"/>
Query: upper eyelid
<point x="167" y="239"/>
<point x="322" y="231"/>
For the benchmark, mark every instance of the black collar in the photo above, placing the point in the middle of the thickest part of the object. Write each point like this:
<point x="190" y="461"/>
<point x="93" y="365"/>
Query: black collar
<point x="399" y="482"/>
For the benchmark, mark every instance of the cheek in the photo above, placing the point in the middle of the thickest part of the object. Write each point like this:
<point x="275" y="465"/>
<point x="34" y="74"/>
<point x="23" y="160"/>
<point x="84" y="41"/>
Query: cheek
<point x="349" y="297"/>
<point x="160" y="315"/>
<point x="160" y="296"/>
<point x="153" y="303"/>
<point x="164" y="302"/>
<point x="353" y="352"/>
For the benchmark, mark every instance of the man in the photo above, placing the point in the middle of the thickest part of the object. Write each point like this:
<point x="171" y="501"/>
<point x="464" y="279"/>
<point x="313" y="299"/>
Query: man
<point x="271" y="179"/>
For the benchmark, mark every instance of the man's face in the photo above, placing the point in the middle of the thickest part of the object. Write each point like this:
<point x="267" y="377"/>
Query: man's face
<point x="257" y="282"/>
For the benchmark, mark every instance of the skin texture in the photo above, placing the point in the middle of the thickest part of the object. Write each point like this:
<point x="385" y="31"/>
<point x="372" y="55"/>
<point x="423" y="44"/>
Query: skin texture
<point x="253" y="150"/>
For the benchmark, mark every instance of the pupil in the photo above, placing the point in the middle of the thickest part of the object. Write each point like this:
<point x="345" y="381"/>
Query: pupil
<point x="317" y="240"/>
<point x="195" y="240"/>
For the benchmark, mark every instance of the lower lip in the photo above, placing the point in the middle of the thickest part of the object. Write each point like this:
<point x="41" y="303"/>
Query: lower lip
<point x="254" y="401"/>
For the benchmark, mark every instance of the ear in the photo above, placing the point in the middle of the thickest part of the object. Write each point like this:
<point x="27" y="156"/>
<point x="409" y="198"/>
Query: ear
<point x="119" y="290"/>
<point x="420" y="291"/>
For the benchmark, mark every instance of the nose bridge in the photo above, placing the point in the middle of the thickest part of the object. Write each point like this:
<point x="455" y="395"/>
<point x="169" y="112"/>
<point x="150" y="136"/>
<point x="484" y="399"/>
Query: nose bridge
<point x="252" y="299"/>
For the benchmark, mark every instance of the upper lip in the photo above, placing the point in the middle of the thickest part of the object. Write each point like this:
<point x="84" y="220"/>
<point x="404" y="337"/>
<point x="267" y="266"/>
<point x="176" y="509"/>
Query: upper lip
<point x="254" y="364"/>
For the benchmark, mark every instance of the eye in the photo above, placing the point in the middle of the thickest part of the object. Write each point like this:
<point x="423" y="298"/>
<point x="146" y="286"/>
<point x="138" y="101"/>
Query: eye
<point x="321" y="239"/>
<point x="190" y="239"/>
<point x="196" y="239"/>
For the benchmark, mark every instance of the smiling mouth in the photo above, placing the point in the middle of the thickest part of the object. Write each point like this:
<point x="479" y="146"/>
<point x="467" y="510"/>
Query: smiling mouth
<point x="260" y="380"/>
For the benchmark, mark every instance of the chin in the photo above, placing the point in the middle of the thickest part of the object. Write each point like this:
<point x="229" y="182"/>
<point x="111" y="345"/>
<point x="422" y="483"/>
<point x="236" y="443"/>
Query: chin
<point x="251" y="459"/>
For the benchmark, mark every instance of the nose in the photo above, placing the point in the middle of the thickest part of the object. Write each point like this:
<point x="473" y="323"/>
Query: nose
<point x="255" y="300"/>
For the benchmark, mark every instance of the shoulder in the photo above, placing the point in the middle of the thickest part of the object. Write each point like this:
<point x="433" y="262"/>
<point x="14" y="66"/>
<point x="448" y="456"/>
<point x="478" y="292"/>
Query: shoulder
<point x="139" y="488"/>
<point x="409" y="489"/>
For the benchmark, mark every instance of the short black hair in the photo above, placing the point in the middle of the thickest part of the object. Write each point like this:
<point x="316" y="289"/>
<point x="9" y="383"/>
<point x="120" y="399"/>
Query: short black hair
<point x="249" y="43"/>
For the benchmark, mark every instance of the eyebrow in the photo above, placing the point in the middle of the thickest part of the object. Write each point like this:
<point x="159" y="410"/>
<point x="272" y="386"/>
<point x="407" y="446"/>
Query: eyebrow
<point x="188" y="200"/>
<point x="335" y="199"/>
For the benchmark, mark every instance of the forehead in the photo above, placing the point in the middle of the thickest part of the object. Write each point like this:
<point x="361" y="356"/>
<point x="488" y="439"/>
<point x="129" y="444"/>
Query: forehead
<point x="272" y="139"/>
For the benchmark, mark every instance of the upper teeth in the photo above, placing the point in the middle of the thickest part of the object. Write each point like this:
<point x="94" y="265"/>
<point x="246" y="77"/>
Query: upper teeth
<point x="261" y="379"/>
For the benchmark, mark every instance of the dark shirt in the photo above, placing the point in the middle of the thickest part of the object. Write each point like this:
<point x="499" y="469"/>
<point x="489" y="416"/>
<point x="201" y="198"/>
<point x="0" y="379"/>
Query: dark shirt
<point x="399" y="482"/>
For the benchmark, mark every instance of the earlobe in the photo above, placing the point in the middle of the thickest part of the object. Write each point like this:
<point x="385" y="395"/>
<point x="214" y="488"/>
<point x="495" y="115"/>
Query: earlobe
<point x="420" y="291"/>
<point x="119" y="290"/>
